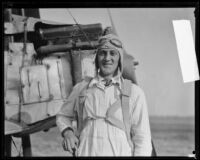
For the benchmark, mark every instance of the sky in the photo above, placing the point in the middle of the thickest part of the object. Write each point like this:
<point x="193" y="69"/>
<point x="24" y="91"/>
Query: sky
<point x="148" y="35"/>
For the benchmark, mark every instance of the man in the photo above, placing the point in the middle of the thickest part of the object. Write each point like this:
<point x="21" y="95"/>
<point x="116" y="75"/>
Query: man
<point x="98" y="103"/>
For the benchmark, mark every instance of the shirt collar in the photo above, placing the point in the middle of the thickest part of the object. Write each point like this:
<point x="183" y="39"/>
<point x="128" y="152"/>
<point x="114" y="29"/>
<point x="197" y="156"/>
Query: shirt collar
<point x="98" y="79"/>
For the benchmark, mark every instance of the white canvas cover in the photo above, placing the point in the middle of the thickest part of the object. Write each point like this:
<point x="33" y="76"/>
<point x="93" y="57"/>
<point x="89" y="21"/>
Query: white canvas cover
<point x="23" y="100"/>
<point x="34" y="83"/>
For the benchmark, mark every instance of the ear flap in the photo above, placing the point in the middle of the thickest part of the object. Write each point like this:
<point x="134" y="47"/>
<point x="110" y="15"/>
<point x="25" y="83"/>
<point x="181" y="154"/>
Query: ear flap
<point x="96" y="62"/>
<point x="120" y="63"/>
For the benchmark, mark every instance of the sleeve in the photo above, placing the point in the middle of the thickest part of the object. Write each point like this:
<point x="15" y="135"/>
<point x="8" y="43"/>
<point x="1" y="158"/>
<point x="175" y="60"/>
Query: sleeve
<point x="67" y="112"/>
<point x="140" y="127"/>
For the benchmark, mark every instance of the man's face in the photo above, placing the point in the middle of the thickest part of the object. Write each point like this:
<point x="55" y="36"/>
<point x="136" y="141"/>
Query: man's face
<point x="108" y="60"/>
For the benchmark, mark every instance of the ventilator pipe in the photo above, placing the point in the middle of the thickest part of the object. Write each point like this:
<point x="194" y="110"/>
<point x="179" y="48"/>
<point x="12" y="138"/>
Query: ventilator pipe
<point x="69" y="31"/>
<point x="43" y="50"/>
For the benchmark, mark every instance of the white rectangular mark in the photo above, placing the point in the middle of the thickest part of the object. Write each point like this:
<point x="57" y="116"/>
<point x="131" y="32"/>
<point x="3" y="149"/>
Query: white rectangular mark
<point x="186" y="50"/>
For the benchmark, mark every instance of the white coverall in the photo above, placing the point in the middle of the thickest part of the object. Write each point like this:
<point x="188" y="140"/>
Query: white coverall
<point x="100" y="138"/>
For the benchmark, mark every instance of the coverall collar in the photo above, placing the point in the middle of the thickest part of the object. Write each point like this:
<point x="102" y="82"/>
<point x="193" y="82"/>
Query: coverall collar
<point x="99" y="80"/>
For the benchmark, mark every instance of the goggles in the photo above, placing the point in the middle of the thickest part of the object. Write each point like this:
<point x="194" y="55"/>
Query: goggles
<point x="115" y="42"/>
<point x="102" y="51"/>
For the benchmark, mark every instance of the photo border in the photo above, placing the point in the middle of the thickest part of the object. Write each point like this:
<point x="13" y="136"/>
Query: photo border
<point x="125" y="4"/>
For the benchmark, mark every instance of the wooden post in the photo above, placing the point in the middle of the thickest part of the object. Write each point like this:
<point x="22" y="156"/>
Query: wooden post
<point x="8" y="146"/>
<point x="26" y="145"/>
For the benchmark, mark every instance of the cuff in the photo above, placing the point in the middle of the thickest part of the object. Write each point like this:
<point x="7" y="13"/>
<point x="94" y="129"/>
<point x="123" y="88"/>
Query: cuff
<point x="66" y="129"/>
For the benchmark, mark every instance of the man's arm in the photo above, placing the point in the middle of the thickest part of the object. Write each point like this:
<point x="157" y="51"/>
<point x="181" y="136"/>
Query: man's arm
<point x="67" y="112"/>
<point x="140" y="127"/>
<point x="64" y="121"/>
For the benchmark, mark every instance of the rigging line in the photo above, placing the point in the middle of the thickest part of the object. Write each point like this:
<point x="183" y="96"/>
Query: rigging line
<point x="8" y="54"/>
<point x="80" y="28"/>
<point x="24" y="58"/>
<point x="111" y="20"/>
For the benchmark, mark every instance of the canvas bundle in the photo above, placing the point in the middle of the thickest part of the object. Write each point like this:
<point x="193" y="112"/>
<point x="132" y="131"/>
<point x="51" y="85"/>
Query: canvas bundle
<point x="36" y="90"/>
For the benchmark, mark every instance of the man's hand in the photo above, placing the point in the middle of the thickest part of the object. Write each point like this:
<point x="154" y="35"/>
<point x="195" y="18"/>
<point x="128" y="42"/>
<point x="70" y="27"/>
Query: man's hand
<point x="70" y="142"/>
